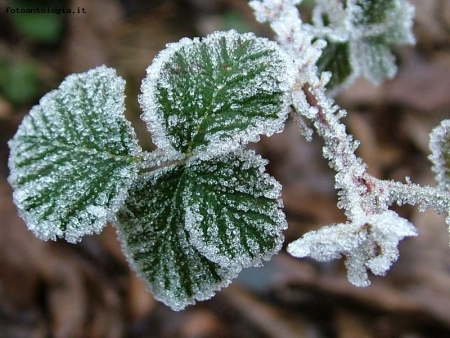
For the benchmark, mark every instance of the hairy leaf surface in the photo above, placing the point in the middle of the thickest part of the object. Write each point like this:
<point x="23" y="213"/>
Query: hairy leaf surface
<point x="206" y="97"/>
<point x="189" y="228"/>
<point x="71" y="159"/>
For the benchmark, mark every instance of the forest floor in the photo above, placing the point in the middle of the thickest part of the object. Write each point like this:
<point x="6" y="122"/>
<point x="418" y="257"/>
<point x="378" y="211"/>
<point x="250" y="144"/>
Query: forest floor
<point x="56" y="289"/>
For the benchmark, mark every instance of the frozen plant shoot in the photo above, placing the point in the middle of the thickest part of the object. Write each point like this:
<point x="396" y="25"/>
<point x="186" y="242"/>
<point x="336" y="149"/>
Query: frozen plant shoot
<point x="195" y="211"/>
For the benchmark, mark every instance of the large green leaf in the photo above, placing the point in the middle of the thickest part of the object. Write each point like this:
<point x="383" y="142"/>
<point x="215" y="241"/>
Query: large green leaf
<point x="189" y="228"/>
<point x="206" y="97"/>
<point x="232" y="209"/>
<point x="151" y="229"/>
<point x="72" y="159"/>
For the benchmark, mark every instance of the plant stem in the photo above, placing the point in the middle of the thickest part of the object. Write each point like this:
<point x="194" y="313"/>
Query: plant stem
<point x="157" y="159"/>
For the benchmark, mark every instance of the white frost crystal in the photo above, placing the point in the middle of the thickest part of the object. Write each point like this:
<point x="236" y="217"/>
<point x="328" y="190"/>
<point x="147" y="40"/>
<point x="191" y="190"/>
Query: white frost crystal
<point x="369" y="243"/>
<point x="440" y="154"/>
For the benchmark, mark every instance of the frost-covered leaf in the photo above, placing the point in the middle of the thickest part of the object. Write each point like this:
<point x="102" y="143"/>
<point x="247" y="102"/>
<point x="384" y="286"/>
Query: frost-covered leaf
<point x="389" y="20"/>
<point x="369" y="243"/>
<point x="363" y="31"/>
<point x="233" y="211"/>
<point x="440" y="153"/>
<point x="151" y="229"/>
<point x="374" y="59"/>
<point x="71" y="159"/>
<point x="381" y="24"/>
<point x="189" y="228"/>
<point x="206" y="97"/>
<point x="336" y="59"/>
<point x="373" y="11"/>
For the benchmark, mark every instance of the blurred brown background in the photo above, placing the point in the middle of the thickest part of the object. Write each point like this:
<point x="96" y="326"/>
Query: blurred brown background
<point x="55" y="289"/>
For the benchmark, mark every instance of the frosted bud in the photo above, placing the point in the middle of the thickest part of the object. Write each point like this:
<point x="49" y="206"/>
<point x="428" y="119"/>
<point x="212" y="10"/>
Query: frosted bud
<point x="369" y="243"/>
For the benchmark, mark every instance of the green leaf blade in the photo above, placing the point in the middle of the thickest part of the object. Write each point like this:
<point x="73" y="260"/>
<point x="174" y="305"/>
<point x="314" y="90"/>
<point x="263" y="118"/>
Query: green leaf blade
<point x="72" y="159"/>
<point x="150" y="227"/>
<point x="336" y="58"/>
<point x="204" y="97"/>
<point x="190" y="228"/>
<point x="233" y="210"/>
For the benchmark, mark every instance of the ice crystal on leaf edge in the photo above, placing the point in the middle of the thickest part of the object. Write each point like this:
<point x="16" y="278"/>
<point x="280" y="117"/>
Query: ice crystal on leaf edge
<point x="189" y="228"/>
<point x="205" y="97"/>
<point x="257" y="76"/>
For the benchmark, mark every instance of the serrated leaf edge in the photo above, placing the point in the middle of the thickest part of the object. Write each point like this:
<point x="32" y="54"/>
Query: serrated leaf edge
<point x="48" y="230"/>
<point x="154" y="119"/>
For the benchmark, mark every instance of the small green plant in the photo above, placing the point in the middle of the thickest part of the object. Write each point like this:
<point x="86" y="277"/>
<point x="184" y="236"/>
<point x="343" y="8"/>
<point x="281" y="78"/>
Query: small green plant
<point x="195" y="211"/>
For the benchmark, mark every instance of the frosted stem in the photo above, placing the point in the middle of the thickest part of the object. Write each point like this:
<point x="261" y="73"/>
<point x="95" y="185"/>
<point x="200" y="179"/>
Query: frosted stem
<point x="427" y="197"/>
<point x="359" y="193"/>
<point x="311" y="101"/>
<point x="370" y="238"/>
<point x="149" y="161"/>
<point x="339" y="150"/>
